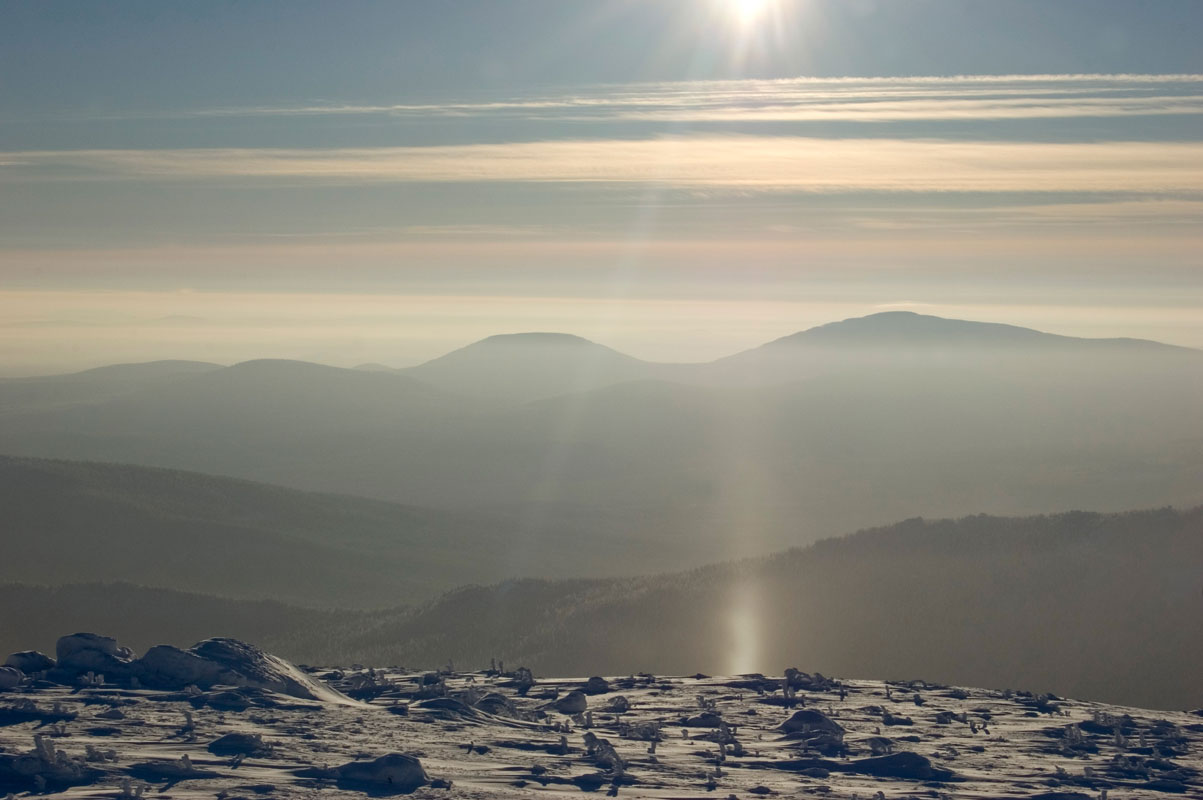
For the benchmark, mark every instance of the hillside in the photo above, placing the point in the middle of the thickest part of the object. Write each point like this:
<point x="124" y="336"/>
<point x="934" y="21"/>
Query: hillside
<point x="1087" y="604"/>
<point x="70" y="522"/>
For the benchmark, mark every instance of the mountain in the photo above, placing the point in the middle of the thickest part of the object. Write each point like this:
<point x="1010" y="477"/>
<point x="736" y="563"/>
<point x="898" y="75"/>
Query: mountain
<point x="526" y="366"/>
<point x="910" y="328"/>
<point x="656" y="470"/>
<point x="72" y="522"/>
<point x="894" y="340"/>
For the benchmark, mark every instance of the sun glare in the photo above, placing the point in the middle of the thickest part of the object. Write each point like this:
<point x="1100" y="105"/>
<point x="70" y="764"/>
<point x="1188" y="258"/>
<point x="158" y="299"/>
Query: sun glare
<point x="748" y="12"/>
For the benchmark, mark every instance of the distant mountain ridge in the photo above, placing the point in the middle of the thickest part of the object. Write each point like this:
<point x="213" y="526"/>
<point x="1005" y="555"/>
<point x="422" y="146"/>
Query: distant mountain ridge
<point x="644" y="467"/>
<point x="922" y="329"/>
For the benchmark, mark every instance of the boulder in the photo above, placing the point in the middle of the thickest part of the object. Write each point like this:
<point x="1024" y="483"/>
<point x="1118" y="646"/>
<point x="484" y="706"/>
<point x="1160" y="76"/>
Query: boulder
<point x="596" y="685"/>
<point x="239" y="744"/>
<point x="816" y="730"/>
<point x="707" y="719"/>
<point x="229" y="662"/>
<point x="91" y="652"/>
<point x="395" y="773"/>
<point x="572" y="703"/>
<point x="619" y="705"/>
<point x="907" y="766"/>
<point x="497" y="704"/>
<point x="167" y="667"/>
<point x="808" y="720"/>
<point x="30" y="662"/>
<point x="10" y="678"/>
<point x="243" y="664"/>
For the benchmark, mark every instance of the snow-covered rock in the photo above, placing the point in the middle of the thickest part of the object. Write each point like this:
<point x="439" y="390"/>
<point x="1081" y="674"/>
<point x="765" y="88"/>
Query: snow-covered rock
<point x="30" y="662"/>
<point x="229" y="662"/>
<point x="168" y="667"/>
<point x="574" y="702"/>
<point x="395" y="773"/>
<point x="10" y="678"/>
<point x="90" y="652"/>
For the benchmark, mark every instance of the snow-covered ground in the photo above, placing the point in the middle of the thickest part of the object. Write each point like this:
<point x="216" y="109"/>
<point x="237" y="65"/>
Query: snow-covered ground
<point x="488" y="734"/>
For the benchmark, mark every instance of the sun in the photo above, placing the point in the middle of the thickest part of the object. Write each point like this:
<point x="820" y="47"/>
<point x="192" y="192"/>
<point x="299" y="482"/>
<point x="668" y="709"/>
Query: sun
<point x="747" y="12"/>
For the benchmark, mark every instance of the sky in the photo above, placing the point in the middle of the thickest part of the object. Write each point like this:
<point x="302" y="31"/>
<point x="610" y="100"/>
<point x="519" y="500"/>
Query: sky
<point x="679" y="179"/>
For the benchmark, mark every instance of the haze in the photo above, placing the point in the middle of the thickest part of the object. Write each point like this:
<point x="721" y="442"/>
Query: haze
<point x="679" y="180"/>
<point x="607" y="337"/>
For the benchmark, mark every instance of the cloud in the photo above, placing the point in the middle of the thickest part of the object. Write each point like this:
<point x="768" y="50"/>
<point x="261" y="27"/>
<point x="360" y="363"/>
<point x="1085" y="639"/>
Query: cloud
<point x="923" y="98"/>
<point x="741" y="163"/>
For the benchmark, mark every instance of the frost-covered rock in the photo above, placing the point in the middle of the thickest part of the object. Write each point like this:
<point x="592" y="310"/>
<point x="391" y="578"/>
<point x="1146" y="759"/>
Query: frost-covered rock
<point x="395" y="773"/>
<point x="816" y="729"/>
<point x="168" y="667"/>
<point x="30" y="662"/>
<point x="229" y="662"/>
<point x="596" y="685"/>
<point x="497" y="704"/>
<point x="91" y="652"/>
<point x="10" y="678"/>
<point x="239" y="744"/>
<point x="574" y="702"/>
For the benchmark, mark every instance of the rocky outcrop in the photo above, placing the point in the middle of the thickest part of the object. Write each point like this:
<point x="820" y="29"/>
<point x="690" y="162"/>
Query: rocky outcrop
<point x="81" y="653"/>
<point x="30" y="662"/>
<point x="10" y="678"/>
<point x="168" y="667"/>
<point x="229" y="662"/>
<point x="213" y="662"/>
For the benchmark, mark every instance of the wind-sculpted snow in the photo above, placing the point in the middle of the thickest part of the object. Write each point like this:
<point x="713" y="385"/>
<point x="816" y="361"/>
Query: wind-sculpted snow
<point x="497" y="734"/>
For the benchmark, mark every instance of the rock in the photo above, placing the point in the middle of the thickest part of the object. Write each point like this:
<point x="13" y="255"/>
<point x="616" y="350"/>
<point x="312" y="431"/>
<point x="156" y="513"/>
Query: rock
<point x="907" y="766"/>
<point x="10" y="678"/>
<point x="91" y="652"/>
<point x="596" y="685"/>
<point x="497" y="704"/>
<point x="229" y="662"/>
<point x="707" y="719"/>
<point x="574" y="702"/>
<point x="808" y="720"/>
<point x="239" y="744"/>
<point x="619" y="705"/>
<point x="448" y="708"/>
<point x="816" y="730"/>
<point x="167" y="667"/>
<point x="395" y="773"/>
<point x="170" y="771"/>
<point x="30" y="662"/>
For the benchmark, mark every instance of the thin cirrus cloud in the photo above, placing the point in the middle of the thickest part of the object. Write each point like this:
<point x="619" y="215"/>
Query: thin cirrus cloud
<point x="744" y="163"/>
<point x="991" y="97"/>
